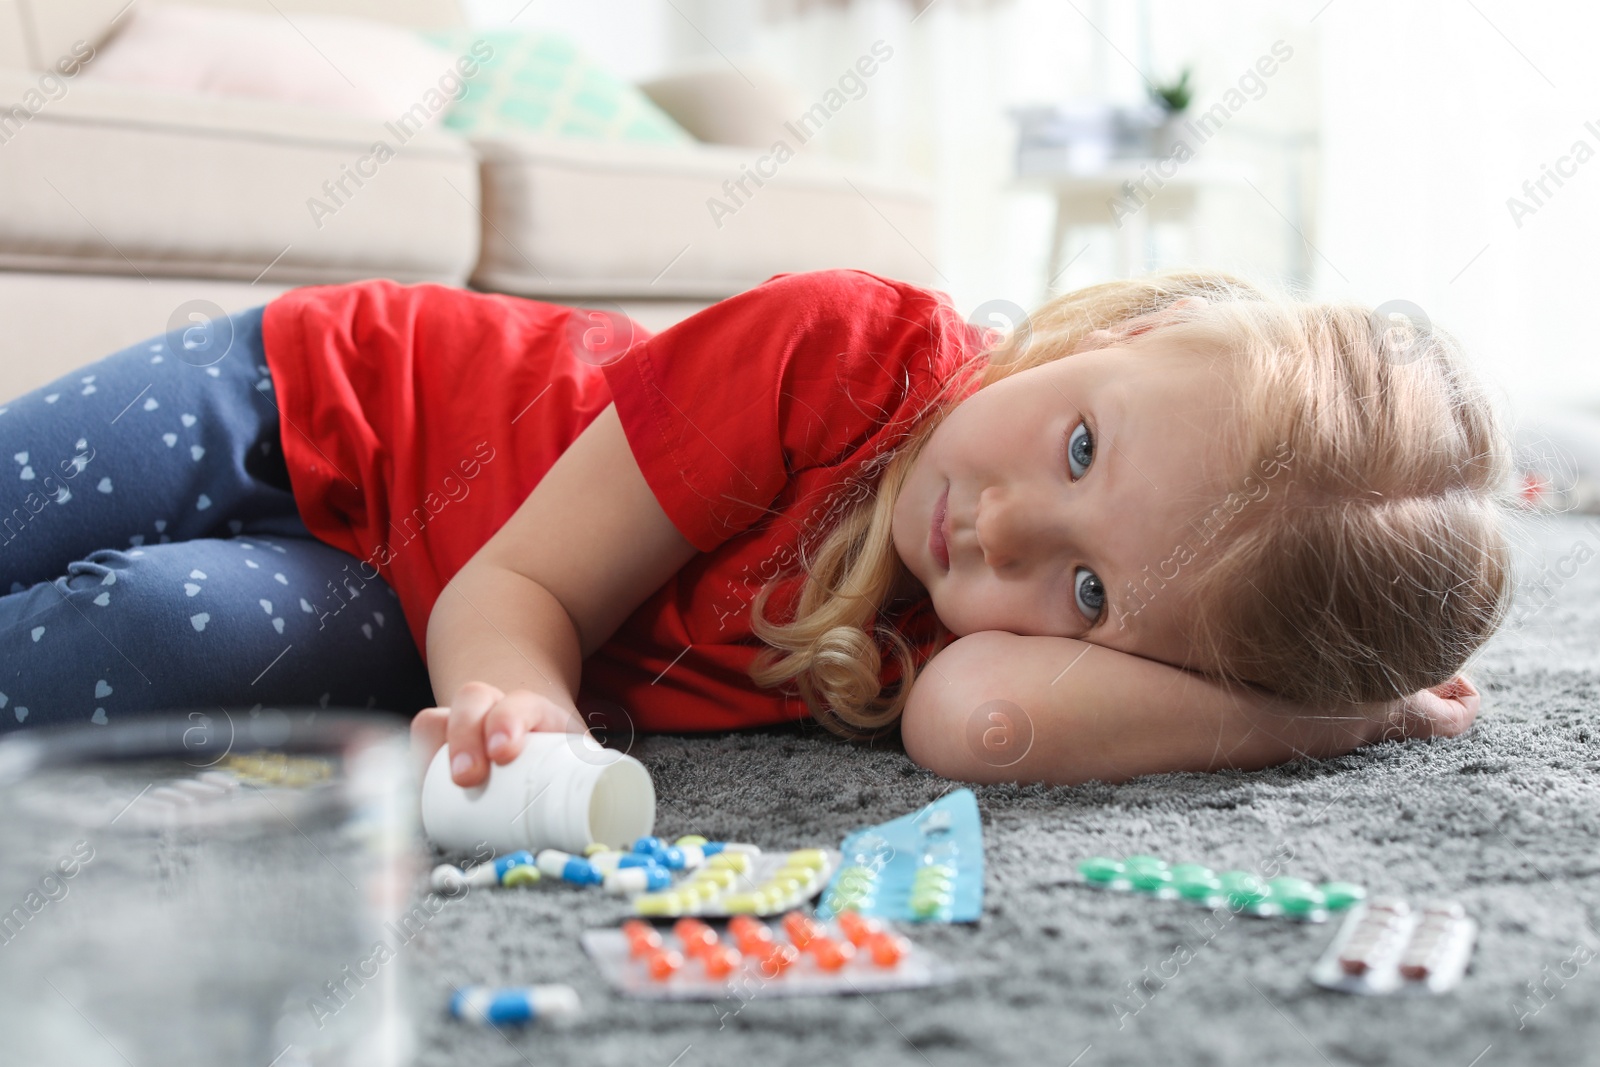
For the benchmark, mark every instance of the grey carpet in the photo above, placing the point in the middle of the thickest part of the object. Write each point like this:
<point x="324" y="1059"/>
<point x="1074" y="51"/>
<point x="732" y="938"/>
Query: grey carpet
<point x="1504" y="819"/>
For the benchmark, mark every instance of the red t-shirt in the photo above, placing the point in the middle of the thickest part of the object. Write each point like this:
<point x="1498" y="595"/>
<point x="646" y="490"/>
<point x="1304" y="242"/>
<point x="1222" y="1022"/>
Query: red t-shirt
<point x="416" y="419"/>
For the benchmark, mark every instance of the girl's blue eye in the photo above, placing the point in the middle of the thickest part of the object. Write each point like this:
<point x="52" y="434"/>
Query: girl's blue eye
<point x="1089" y="593"/>
<point x="1080" y="450"/>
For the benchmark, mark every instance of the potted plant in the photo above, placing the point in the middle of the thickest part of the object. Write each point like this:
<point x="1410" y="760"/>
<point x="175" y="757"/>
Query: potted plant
<point x="1173" y="98"/>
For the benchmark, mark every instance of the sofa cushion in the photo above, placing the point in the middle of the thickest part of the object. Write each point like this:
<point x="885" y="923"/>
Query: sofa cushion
<point x="126" y="181"/>
<point x="720" y="105"/>
<point x="35" y="34"/>
<point x="564" y="217"/>
<point x="360" y="66"/>
<point x="537" y="81"/>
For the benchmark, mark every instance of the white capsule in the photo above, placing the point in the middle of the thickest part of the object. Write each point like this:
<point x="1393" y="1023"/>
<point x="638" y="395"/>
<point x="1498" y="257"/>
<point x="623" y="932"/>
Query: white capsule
<point x="447" y="878"/>
<point x="606" y="862"/>
<point x="481" y="875"/>
<point x="624" y="880"/>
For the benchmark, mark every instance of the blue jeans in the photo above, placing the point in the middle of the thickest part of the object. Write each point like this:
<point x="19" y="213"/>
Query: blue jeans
<point x="155" y="559"/>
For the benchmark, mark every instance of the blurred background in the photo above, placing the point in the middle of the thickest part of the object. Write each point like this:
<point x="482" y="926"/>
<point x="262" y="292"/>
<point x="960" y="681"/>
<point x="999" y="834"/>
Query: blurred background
<point x="656" y="155"/>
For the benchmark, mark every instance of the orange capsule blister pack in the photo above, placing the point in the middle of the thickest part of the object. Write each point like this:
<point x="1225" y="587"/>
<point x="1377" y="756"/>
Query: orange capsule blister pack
<point x="1388" y="947"/>
<point x="798" y="956"/>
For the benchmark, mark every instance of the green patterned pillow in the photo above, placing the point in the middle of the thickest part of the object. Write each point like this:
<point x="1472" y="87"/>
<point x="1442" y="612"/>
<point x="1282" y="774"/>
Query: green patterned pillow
<point x="540" y="82"/>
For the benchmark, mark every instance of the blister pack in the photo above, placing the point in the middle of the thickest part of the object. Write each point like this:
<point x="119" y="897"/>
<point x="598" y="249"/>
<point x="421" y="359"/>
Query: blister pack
<point x="1387" y="947"/>
<point x="744" y="883"/>
<point x="922" y="867"/>
<point x="747" y="958"/>
<point x="1242" y="891"/>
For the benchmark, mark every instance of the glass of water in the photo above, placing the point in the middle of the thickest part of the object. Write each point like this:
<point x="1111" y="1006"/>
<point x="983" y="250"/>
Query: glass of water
<point x="207" y="888"/>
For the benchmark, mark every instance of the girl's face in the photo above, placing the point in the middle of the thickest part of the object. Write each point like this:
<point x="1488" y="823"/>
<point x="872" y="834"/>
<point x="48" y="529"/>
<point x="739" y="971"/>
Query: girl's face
<point x="1040" y="498"/>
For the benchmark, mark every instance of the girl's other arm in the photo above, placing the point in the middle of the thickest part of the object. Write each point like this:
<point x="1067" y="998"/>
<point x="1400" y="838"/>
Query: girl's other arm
<point x="996" y="707"/>
<point x="508" y="635"/>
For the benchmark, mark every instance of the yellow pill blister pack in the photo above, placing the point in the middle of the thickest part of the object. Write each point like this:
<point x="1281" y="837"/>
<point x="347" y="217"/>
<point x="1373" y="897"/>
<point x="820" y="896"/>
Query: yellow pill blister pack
<point x="744" y="883"/>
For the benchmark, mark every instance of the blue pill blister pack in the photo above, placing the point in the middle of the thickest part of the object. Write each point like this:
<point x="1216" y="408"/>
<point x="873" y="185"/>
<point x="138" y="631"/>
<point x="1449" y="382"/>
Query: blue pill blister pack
<point x="922" y="867"/>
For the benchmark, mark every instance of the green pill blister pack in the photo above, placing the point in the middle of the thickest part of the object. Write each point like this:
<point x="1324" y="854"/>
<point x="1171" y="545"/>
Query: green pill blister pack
<point x="1242" y="891"/>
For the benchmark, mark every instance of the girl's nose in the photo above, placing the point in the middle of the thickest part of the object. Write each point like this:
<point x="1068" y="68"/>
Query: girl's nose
<point x="1010" y="527"/>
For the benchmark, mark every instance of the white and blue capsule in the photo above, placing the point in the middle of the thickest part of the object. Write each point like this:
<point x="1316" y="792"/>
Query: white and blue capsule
<point x="606" y="862"/>
<point x="447" y="878"/>
<point x="626" y="881"/>
<point x="568" y="868"/>
<point x="515" y="1005"/>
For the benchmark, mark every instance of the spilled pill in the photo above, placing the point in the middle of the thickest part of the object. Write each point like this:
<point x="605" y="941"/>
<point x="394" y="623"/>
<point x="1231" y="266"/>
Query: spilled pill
<point x="568" y="868"/>
<point x="628" y="880"/>
<point x="512" y="1006"/>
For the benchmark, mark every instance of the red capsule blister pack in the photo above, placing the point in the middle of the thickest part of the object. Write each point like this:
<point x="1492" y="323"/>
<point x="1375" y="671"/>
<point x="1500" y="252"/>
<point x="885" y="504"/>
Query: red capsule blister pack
<point x="747" y="958"/>
<point x="1387" y="946"/>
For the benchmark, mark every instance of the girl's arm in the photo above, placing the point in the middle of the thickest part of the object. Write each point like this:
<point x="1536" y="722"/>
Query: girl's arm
<point x="508" y="635"/>
<point x="995" y="707"/>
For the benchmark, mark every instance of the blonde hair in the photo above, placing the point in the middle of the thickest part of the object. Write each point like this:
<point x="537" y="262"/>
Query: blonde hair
<point x="1374" y="567"/>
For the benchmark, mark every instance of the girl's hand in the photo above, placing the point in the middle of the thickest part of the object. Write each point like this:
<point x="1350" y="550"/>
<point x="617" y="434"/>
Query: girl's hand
<point x="484" y="723"/>
<point x="1444" y="711"/>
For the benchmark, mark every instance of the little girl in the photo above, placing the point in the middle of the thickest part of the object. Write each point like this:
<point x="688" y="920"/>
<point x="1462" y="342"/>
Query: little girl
<point x="1171" y="524"/>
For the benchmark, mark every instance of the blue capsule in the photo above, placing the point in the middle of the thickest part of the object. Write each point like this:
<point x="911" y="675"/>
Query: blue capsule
<point x="638" y="859"/>
<point x="649" y="845"/>
<point x="711" y="848"/>
<point x="671" y="857"/>
<point x="502" y="864"/>
<point x="515" y="1005"/>
<point x="568" y="868"/>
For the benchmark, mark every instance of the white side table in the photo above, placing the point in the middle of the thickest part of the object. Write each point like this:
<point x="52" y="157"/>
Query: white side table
<point x="1129" y="196"/>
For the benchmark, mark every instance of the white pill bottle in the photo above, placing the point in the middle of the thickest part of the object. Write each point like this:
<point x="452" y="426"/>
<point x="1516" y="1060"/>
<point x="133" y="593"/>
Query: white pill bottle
<point x="564" y="791"/>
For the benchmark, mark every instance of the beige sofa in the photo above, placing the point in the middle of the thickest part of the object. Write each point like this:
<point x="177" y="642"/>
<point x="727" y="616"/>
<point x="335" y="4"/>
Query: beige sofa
<point x="120" y="208"/>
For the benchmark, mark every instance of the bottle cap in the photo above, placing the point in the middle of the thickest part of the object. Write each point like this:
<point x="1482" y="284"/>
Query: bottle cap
<point x="564" y="791"/>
